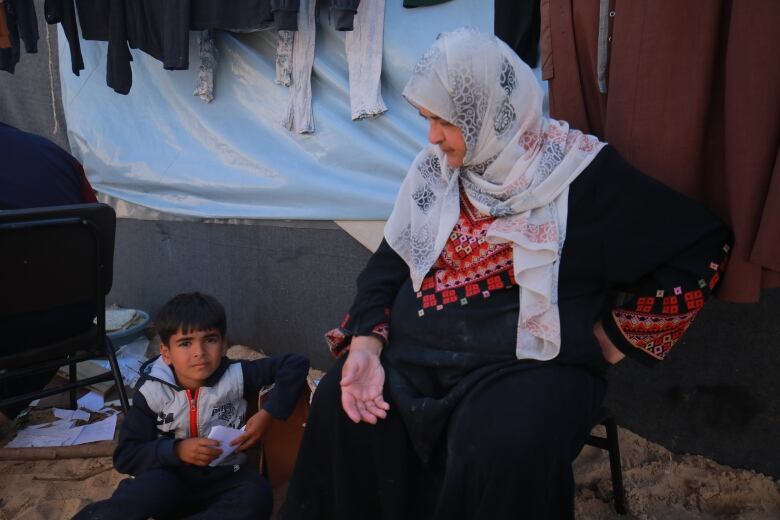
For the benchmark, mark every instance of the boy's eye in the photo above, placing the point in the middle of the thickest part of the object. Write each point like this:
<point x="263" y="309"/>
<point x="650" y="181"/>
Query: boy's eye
<point x="184" y="344"/>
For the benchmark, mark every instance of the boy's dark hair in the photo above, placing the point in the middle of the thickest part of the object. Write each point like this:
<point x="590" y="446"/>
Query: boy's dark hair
<point x="190" y="312"/>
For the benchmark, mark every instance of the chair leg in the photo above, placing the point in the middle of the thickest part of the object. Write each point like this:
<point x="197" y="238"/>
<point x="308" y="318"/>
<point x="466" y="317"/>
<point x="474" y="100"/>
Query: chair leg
<point x="72" y="379"/>
<point x="615" y="466"/>
<point x="120" y="385"/>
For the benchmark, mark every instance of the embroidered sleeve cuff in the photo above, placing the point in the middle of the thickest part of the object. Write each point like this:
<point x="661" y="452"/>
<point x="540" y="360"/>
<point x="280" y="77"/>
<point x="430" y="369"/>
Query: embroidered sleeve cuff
<point x="619" y="339"/>
<point x="338" y="339"/>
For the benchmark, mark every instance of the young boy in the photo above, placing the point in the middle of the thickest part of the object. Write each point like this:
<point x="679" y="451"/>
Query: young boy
<point x="185" y="391"/>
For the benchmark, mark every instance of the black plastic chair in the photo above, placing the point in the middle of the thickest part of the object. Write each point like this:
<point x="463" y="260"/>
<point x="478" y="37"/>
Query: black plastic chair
<point x="51" y="260"/>
<point x="610" y="443"/>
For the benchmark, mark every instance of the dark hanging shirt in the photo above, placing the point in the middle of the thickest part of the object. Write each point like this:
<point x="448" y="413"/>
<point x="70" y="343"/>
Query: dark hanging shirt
<point x="22" y="27"/>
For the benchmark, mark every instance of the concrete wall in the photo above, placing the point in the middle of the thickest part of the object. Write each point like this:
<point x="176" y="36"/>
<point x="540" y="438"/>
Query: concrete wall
<point x="282" y="284"/>
<point x="285" y="284"/>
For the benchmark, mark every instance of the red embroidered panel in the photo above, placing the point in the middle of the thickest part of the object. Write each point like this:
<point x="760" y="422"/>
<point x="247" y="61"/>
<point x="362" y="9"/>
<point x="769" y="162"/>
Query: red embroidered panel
<point x="468" y="266"/>
<point x="467" y="256"/>
<point x="655" y="334"/>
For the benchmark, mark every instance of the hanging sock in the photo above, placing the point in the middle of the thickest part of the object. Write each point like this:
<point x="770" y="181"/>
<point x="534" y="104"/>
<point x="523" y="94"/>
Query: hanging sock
<point x="284" y="64"/>
<point x="299" y="116"/>
<point x="364" y="58"/>
<point x="204" y="88"/>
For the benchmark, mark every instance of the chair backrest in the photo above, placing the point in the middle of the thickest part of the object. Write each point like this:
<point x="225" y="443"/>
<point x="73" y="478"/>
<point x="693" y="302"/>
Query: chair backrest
<point x="55" y="256"/>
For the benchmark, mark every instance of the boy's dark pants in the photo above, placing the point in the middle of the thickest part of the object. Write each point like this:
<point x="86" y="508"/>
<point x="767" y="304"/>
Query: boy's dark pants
<point x="187" y="491"/>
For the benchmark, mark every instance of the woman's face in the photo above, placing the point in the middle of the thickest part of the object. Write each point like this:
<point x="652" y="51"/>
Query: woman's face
<point x="446" y="136"/>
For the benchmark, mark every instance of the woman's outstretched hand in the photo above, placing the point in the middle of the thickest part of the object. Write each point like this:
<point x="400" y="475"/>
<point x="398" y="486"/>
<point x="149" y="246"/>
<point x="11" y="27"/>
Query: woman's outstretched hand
<point x="362" y="378"/>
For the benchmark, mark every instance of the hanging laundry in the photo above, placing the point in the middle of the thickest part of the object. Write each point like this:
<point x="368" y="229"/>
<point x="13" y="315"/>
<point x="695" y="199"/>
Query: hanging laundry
<point x="284" y="57"/>
<point x="64" y="13"/>
<point x="422" y="3"/>
<point x="204" y="89"/>
<point x="343" y="12"/>
<point x="364" y="59"/>
<point x="159" y="28"/>
<point x="517" y="23"/>
<point x="94" y="19"/>
<point x="285" y="14"/>
<point x="298" y="116"/>
<point x="221" y="14"/>
<point x="22" y="26"/>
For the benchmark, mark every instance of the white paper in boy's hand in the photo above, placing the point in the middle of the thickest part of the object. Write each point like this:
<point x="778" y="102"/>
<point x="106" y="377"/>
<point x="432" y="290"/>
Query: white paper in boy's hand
<point x="224" y="435"/>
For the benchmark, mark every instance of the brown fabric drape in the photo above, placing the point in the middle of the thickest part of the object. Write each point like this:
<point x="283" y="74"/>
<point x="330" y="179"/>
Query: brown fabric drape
<point x="693" y="99"/>
<point x="5" y="41"/>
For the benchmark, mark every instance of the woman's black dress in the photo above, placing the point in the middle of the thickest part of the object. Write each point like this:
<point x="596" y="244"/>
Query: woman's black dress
<point x="473" y="432"/>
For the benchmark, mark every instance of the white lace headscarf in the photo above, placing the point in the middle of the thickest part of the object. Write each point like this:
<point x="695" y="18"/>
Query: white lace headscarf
<point x="518" y="167"/>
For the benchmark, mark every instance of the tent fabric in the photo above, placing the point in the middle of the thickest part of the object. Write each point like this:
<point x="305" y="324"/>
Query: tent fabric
<point x="162" y="148"/>
<point x="693" y="100"/>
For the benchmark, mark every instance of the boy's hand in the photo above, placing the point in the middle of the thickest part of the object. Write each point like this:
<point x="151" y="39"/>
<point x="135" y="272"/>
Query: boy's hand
<point x="198" y="451"/>
<point x="254" y="430"/>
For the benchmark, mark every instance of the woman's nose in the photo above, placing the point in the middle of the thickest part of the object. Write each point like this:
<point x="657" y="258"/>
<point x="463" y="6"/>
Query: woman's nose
<point x="435" y="135"/>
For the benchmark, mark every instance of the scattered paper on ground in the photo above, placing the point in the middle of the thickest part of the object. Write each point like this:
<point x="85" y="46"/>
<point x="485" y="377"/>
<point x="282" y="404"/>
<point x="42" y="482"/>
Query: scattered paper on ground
<point x="63" y="433"/>
<point x="76" y="415"/>
<point x="97" y="431"/>
<point x="91" y="401"/>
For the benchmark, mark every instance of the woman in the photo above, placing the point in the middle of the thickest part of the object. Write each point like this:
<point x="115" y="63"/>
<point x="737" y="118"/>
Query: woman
<point x="522" y="258"/>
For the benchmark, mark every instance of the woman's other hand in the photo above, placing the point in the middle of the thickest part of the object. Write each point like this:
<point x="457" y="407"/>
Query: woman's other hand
<point x="362" y="379"/>
<point x="608" y="349"/>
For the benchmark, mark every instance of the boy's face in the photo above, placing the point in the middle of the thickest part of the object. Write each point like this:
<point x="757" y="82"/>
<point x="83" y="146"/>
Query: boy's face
<point x="195" y="355"/>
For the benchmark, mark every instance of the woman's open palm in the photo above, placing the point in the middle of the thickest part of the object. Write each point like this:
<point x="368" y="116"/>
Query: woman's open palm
<point x="362" y="378"/>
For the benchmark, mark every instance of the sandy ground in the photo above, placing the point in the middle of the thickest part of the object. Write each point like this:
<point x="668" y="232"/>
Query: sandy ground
<point x="663" y="486"/>
<point x="659" y="485"/>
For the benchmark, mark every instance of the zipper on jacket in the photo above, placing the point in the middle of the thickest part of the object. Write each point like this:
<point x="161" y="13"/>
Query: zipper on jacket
<point x="193" y="398"/>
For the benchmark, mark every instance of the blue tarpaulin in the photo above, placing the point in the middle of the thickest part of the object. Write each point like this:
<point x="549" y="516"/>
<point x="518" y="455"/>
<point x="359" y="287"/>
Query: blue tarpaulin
<point x="162" y="148"/>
